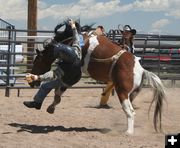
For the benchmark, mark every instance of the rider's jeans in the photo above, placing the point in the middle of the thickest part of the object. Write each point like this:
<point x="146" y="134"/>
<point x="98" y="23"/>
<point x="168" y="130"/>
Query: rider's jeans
<point x="45" y="88"/>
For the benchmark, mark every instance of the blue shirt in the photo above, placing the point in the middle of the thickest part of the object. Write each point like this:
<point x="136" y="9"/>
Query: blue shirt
<point x="81" y="40"/>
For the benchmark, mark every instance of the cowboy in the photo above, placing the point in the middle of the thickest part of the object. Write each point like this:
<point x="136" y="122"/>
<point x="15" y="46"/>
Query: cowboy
<point x="66" y="74"/>
<point x="128" y="38"/>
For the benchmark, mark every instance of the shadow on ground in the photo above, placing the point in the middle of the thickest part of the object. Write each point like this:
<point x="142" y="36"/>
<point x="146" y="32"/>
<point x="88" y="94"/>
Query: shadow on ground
<point x="46" y="129"/>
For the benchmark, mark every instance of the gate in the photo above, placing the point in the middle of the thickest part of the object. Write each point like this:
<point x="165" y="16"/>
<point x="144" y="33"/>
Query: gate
<point x="6" y="47"/>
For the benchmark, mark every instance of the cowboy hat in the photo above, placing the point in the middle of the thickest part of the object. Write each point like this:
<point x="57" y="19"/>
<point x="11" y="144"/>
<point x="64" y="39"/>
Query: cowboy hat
<point x="128" y="28"/>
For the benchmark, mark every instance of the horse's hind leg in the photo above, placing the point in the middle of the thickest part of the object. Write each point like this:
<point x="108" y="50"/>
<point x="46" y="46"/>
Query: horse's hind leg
<point x="105" y="95"/>
<point x="136" y="92"/>
<point x="57" y="99"/>
<point x="128" y="109"/>
<point x="133" y="96"/>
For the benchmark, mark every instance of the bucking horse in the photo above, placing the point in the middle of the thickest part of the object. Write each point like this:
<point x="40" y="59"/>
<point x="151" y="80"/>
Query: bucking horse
<point x="105" y="61"/>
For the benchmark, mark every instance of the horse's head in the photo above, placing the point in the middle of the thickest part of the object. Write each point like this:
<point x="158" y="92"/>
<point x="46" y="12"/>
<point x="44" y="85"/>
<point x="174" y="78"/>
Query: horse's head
<point x="42" y="63"/>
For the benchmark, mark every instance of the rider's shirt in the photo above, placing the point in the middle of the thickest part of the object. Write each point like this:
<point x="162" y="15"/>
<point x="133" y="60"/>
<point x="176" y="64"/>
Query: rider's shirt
<point x="68" y="68"/>
<point x="68" y="65"/>
<point x="81" y="40"/>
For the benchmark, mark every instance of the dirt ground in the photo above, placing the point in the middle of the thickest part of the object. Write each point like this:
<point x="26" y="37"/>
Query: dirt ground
<point x="77" y="123"/>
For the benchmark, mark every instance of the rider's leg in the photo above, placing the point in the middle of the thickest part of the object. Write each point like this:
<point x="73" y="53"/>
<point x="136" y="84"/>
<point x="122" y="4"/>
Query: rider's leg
<point x="43" y="91"/>
<point x="57" y="99"/>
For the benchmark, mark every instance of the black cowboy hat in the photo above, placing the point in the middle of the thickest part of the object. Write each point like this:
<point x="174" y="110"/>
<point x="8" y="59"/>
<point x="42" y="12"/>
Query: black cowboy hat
<point x="128" y="28"/>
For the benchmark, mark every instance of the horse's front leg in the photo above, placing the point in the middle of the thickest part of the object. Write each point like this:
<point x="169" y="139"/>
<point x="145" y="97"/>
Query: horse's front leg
<point x="57" y="99"/>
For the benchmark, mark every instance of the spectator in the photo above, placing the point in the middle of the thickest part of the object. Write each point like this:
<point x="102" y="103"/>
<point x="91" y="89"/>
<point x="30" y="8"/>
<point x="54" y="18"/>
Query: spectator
<point x="128" y="38"/>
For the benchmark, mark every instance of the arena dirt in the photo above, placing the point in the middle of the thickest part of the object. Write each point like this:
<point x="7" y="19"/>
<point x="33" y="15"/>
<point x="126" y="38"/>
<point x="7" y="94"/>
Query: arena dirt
<point x="78" y="123"/>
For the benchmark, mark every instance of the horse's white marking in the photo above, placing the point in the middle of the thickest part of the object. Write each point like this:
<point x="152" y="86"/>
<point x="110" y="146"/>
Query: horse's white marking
<point x="138" y="72"/>
<point x="93" y="42"/>
<point x="128" y="109"/>
<point x="127" y="106"/>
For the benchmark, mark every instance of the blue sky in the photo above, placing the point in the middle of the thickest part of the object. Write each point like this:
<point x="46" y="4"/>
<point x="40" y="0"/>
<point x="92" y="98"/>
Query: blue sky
<point x="146" y="16"/>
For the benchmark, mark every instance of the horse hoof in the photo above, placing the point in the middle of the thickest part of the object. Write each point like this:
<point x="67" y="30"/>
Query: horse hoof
<point x="105" y="106"/>
<point x="129" y="132"/>
<point x="50" y="109"/>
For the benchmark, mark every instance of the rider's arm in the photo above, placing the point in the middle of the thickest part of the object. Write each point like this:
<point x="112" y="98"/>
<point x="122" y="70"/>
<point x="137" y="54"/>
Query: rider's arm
<point x="47" y="76"/>
<point x="44" y="77"/>
<point x="76" y="39"/>
<point x="57" y="73"/>
<point x="50" y="75"/>
<point x="75" y="33"/>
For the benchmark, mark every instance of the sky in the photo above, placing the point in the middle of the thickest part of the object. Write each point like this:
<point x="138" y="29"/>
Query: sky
<point x="146" y="16"/>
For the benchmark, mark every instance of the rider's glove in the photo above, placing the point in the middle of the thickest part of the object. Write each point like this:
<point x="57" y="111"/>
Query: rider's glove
<point x="72" y="23"/>
<point x="31" y="77"/>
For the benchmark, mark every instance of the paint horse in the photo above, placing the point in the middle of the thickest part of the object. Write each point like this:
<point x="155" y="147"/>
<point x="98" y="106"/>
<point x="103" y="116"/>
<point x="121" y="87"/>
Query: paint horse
<point x="105" y="61"/>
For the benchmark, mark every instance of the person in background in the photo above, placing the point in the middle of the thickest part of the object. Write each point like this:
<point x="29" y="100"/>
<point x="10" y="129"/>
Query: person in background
<point x="127" y="40"/>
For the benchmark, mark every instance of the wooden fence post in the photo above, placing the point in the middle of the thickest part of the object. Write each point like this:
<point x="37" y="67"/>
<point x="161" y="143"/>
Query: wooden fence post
<point x="32" y="27"/>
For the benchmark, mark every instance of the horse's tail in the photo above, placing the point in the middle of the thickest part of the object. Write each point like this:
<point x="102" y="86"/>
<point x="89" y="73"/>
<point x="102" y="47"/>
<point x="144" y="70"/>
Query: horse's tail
<point x="158" y="97"/>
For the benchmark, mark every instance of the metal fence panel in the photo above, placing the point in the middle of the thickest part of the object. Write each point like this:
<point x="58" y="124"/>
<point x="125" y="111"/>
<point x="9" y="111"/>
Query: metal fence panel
<point x="7" y="34"/>
<point x="154" y="50"/>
